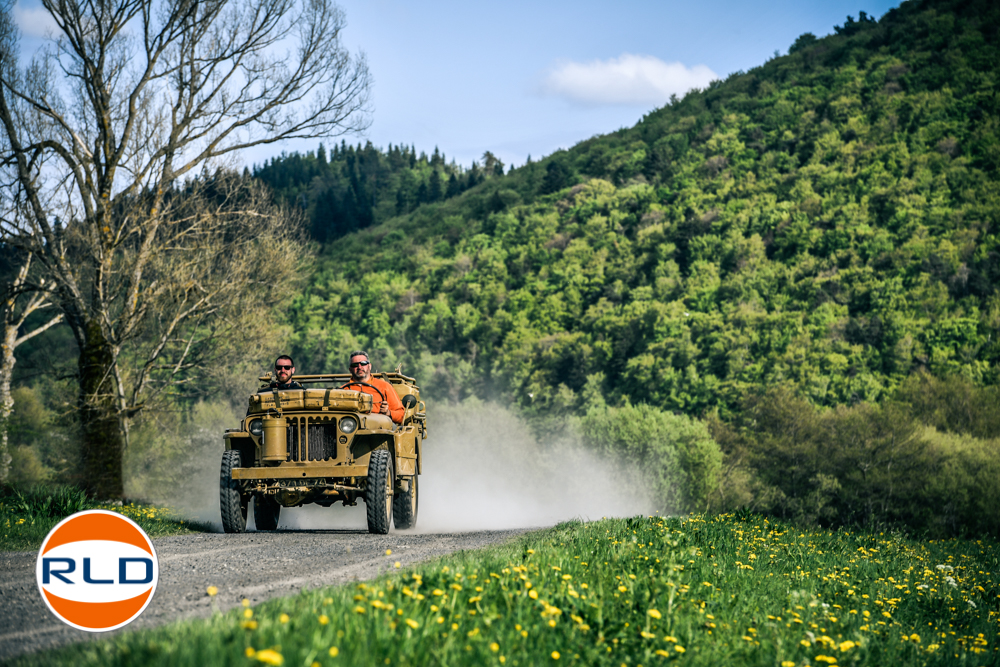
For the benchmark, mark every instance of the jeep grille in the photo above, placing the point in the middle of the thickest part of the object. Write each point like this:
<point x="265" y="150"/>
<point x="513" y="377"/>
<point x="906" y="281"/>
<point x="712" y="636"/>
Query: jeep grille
<point x="312" y="438"/>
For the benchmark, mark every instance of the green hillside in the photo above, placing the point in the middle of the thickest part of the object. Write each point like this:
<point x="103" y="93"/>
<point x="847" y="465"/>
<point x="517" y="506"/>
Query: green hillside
<point x="827" y="221"/>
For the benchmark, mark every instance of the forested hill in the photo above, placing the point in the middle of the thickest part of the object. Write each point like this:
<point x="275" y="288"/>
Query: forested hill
<point x="356" y="187"/>
<point x="827" y="221"/>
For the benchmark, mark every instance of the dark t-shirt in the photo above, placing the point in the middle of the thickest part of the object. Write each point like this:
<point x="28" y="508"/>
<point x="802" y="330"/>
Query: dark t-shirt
<point x="281" y="387"/>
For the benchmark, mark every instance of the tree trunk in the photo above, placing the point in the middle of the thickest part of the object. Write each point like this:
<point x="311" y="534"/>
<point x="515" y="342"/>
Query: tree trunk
<point x="103" y="443"/>
<point x="6" y="399"/>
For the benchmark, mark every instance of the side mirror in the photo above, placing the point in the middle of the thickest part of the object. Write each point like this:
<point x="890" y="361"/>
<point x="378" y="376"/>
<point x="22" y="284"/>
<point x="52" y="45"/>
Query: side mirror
<point x="409" y="401"/>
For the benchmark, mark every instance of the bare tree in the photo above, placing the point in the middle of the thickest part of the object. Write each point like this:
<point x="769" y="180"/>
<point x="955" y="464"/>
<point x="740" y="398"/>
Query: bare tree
<point x="23" y="298"/>
<point x="106" y="132"/>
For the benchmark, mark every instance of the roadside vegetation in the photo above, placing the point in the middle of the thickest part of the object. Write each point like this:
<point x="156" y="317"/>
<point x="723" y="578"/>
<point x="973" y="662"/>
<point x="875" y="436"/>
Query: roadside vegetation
<point x="28" y="514"/>
<point x="699" y="590"/>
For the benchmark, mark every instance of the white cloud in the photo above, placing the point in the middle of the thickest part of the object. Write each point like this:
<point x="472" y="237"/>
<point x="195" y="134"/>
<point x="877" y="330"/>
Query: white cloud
<point x="35" y="21"/>
<point x="628" y="79"/>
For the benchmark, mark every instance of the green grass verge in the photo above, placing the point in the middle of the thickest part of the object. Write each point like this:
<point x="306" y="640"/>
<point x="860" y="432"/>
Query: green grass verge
<point x="644" y="591"/>
<point x="27" y="515"/>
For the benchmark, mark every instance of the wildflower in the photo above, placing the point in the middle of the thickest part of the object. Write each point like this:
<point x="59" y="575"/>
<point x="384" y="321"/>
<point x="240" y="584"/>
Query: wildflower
<point x="806" y="643"/>
<point x="647" y="635"/>
<point x="283" y="618"/>
<point x="668" y="638"/>
<point x="846" y="645"/>
<point x="555" y="655"/>
<point x="327" y="601"/>
<point x="787" y="663"/>
<point x="388" y="552"/>
<point x="249" y="652"/>
<point x="826" y="658"/>
<point x="413" y="624"/>
<point x="440" y="620"/>
<point x="212" y="591"/>
<point x="270" y="657"/>
<point x="359" y="610"/>
<point x="324" y="619"/>
<point x="661" y="652"/>
<point x="622" y="589"/>
<point x="248" y="613"/>
<point x="533" y="595"/>
<point x="245" y="603"/>
<point x="494" y="647"/>
<point x="437" y="592"/>
<point x="653" y="613"/>
<point x="396" y="564"/>
<point x="334" y="651"/>
<point x="915" y="638"/>
<point x="679" y="649"/>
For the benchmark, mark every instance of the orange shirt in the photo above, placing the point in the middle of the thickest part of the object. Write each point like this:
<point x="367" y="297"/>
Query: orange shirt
<point x="396" y="409"/>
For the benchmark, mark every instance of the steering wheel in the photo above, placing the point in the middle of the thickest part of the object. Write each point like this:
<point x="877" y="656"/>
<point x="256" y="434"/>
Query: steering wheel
<point x="365" y="384"/>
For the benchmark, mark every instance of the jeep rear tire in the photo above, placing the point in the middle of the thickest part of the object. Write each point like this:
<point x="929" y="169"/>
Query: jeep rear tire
<point x="265" y="512"/>
<point x="378" y="492"/>
<point x="233" y="504"/>
<point x="404" y="506"/>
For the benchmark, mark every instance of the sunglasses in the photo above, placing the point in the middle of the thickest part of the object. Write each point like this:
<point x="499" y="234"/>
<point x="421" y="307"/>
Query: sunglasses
<point x="360" y="363"/>
<point x="280" y="367"/>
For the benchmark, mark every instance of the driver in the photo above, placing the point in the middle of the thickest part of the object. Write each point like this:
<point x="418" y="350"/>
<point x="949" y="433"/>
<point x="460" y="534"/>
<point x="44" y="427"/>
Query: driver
<point x="361" y="372"/>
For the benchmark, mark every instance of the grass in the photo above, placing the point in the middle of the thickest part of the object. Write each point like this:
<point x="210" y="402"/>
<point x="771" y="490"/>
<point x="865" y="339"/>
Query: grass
<point x="646" y="591"/>
<point x="27" y="515"/>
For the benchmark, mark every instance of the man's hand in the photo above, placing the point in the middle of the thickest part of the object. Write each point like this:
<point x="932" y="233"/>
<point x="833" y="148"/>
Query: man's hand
<point x="383" y="407"/>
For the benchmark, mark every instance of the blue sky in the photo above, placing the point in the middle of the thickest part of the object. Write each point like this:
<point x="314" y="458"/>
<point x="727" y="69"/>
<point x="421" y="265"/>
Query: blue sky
<point x="519" y="78"/>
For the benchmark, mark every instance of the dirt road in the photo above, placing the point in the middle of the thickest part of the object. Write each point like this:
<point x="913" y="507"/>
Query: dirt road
<point x="241" y="566"/>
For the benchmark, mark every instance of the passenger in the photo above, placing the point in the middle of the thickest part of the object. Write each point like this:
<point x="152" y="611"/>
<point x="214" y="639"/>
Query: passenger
<point x="361" y="379"/>
<point x="284" y="369"/>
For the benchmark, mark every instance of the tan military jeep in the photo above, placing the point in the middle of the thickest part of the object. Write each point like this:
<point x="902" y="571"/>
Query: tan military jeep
<point x="322" y="444"/>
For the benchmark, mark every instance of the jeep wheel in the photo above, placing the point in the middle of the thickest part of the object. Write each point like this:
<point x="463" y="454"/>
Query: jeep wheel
<point x="234" y="505"/>
<point x="404" y="506"/>
<point x="265" y="512"/>
<point x="378" y="492"/>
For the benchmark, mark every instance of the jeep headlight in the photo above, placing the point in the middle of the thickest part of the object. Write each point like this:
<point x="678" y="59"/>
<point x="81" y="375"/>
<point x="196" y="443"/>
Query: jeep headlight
<point x="256" y="428"/>
<point x="348" y="424"/>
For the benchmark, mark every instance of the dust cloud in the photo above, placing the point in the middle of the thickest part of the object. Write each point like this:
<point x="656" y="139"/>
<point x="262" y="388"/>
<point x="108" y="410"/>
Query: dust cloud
<point x="482" y="469"/>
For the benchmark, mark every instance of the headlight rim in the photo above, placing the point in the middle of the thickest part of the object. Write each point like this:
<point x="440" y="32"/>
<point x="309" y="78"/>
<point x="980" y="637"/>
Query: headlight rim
<point x="350" y="422"/>
<point x="257" y="424"/>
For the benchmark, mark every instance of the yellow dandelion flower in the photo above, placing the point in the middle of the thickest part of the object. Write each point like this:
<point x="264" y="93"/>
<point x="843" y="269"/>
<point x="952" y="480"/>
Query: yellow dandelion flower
<point x="212" y="591"/>
<point x="324" y="619"/>
<point x="359" y="610"/>
<point x="245" y="603"/>
<point x="388" y="552"/>
<point x="440" y="620"/>
<point x="533" y="595"/>
<point x="622" y="589"/>
<point x="787" y="663"/>
<point x="668" y="638"/>
<point x="679" y="649"/>
<point x="270" y="657"/>
<point x="327" y="600"/>
<point x="531" y="551"/>
<point x="283" y="618"/>
<point x="647" y="635"/>
<point x="334" y="651"/>
<point x="660" y="651"/>
<point x="413" y="624"/>
<point x="806" y="643"/>
<point x="315" y="663"/>
<point x="249" y="625"/>
<point x="494" y="647"/>
<point x="653" y="613"/>
<point x="437" y="592"/>
<point x="555" y="655"/>
<point x="846" y="645"/>
<point x="454" y="626"/>
<point x="249" y="652"/>
<point x="248" y="613"/>
<point x="396" y="564"/>
<point x="915" y="638"/>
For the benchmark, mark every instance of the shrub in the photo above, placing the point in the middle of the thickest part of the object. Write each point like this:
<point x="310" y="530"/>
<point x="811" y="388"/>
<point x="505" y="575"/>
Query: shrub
<point x="682" y="461"/>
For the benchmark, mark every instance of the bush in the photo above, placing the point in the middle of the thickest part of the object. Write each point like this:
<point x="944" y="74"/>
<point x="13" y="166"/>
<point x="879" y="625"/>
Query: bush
<point x="681" y="460"/>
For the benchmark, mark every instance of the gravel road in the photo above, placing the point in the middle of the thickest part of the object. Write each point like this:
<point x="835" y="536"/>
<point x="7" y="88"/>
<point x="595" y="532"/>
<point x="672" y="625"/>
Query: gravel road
<point x="233" y="563"/>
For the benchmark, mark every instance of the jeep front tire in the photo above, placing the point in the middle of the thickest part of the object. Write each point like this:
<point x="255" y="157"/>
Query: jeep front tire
<point x="233" y="504"/>
<point x="378" y="492"/>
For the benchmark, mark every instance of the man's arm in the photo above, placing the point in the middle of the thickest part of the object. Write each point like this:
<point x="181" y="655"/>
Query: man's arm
<point x="396" y="409"/>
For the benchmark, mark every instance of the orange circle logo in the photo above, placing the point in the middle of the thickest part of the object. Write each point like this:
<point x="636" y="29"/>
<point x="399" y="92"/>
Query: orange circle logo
<point x="97" y="570"/>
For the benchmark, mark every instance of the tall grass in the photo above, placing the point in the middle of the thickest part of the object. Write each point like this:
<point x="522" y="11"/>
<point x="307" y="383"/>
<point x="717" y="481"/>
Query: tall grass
<point x="701" y="590"/>
<point x="28" y="514"/>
